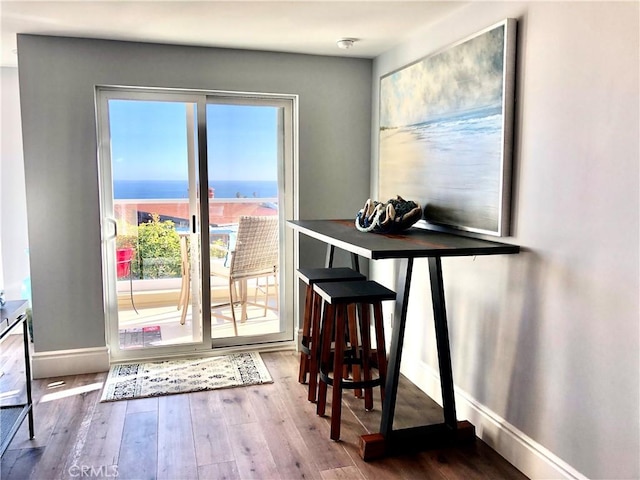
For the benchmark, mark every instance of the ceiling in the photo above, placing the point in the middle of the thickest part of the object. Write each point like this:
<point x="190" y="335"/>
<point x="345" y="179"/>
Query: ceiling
<point x="298" y="26"/>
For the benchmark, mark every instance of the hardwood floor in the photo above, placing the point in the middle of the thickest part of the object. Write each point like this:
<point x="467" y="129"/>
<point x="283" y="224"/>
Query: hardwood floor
<point x="263" y="432"/>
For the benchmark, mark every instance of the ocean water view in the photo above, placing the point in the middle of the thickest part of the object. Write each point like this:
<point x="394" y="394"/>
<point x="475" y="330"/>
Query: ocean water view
<point x="451" y="166"/>
<point x="172" y="189"/>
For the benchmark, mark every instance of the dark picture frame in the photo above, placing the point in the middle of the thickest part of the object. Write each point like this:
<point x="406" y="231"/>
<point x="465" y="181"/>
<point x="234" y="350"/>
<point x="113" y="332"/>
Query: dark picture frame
<point x="446" y="132"/>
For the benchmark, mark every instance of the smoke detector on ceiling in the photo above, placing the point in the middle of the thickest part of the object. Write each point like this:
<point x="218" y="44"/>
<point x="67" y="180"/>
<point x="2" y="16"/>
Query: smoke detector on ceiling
<point x="346" y="43"/>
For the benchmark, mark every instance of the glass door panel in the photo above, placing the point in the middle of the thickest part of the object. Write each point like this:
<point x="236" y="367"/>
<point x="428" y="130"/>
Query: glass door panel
<point x="151" y="197"/>
<point x="244" y="157"/>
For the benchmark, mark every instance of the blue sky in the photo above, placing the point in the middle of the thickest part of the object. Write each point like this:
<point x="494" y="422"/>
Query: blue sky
<point x="149" y="141"/>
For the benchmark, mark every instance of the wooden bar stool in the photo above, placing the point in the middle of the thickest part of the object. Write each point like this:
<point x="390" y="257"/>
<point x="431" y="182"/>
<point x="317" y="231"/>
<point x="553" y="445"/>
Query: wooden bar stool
<point x="338" y="297"/>
<point x="309" y="353"/>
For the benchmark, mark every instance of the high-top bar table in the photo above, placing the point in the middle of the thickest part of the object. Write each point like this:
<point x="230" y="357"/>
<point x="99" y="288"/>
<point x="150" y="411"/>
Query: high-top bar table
<point x="405" y="247"/>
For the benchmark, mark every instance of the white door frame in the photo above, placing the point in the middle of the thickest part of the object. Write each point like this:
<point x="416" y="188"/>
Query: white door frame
<point x="288" y="201"/>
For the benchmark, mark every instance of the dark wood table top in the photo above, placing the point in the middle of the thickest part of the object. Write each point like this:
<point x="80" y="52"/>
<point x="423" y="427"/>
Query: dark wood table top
<point x="412" y="243"/>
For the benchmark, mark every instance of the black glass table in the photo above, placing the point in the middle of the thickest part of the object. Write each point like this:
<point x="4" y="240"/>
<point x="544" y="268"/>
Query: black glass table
<point x="405" y="247"/>
<point x="12" y="316"/>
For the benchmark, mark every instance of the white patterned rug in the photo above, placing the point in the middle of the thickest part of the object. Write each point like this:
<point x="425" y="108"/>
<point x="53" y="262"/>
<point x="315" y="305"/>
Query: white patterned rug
<point x="139" y="380"/>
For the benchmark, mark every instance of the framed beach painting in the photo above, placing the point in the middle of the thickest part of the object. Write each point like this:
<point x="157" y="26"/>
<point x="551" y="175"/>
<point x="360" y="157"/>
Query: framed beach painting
<point x="446" y="132"/>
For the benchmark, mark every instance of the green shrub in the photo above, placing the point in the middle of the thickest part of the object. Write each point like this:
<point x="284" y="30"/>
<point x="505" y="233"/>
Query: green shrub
<point x="158" y="250"/>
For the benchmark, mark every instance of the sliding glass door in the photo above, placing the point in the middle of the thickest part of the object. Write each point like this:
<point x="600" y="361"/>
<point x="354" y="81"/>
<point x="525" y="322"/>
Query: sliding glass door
<point x="179" y="170"/>
<point x="245" y="155"/>
<point x="151" y="229"/>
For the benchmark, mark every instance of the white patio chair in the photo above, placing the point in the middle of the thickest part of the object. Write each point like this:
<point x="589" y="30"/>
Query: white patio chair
<point x="255" y="257"/>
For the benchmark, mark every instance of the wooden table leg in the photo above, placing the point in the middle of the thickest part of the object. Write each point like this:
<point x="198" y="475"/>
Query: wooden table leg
<point x="452" y="431"/>
<point x="328" y="261"/>
<point x="442" y="342"/>
<point x="397" y="340"/>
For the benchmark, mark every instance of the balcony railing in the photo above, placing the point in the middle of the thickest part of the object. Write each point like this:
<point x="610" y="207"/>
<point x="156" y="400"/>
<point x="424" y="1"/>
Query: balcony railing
<point x="157" y="264"/>
<point x="221" y="211"/>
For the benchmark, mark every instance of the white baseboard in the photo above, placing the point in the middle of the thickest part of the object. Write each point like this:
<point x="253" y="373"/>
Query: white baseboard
<point x="528" y="456"/>
<point x="59" y="363"/>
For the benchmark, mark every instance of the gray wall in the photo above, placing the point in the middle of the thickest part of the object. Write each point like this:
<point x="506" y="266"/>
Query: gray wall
<point x="57" y="79"/>
<point x="548" y="340"/>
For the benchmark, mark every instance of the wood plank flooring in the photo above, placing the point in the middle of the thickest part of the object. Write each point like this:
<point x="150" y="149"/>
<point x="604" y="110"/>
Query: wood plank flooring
<point x="260" y="432"/>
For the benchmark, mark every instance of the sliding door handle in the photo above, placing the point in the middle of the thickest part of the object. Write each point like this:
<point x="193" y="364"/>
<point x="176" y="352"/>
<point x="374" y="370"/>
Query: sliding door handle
<point x="115" y="227"/>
